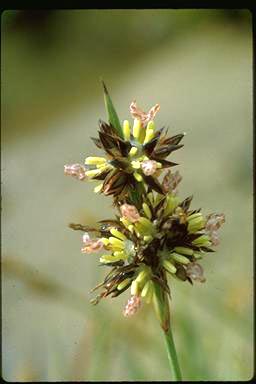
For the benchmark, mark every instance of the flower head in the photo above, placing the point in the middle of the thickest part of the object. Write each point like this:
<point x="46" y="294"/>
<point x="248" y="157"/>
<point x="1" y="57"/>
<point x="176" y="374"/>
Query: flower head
<point x="138" y="156"/>
<point x="155" y="234"/>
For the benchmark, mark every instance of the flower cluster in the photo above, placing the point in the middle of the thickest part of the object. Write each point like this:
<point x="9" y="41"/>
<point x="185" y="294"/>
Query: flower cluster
<point x="155" y="233"/>
<point x="138" y="157"/>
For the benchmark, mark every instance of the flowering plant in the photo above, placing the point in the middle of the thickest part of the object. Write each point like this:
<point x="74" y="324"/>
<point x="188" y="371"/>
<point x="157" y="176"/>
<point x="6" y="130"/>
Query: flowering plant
<point x="155" y="234"/>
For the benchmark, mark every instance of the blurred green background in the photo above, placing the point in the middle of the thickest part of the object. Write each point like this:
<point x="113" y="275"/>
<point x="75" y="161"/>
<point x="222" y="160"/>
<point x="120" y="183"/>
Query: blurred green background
<point x="198" y="65"/>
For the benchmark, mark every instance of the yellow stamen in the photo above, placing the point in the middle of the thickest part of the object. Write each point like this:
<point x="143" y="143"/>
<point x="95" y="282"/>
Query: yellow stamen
<point x="135" y="164"/>
<point x="136" y="128"/>
<point x="135" y="288"/>
<point x="116" y="242"/>
<point x="123" y="284"/>
<point x="133" y="151"/>
<point x="119" y="254"/>
<point x="98" y="188"/>
<point x="138" y="177"/>
<point x="142" y="276"/>
<point x="104" y="240"/>
<point x="147" y="238"/>
<point x="126" y="130"/>
<point x="117" y="234"/>
<point x="108" y="259"/>
<point x="149" y="132"/>
<point x="93" y="172"/>
<point x="95" y="160"/>
<point x="147" y="210"/>
<point x="125" y="222"/>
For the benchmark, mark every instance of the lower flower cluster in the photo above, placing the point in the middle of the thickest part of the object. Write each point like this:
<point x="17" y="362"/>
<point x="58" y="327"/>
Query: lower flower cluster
<point x="144" y="246"/>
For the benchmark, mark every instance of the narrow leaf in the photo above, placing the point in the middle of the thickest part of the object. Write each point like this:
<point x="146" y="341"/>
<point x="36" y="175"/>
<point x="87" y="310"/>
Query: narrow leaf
<point x="112" y="115"/>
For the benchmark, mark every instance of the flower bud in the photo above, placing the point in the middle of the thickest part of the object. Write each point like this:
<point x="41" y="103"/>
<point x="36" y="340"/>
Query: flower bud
<point x="147" y="210"/>
<point x="147" y="290"/>
<point x="184" y="250"/>
<point x="169" y="266"/>
<point x="201" y="240"/>
<point x="194" y="216"/>
<point x="180" y="258"/>
<point x="172" y="202"/>
<point x="142" y="276"/>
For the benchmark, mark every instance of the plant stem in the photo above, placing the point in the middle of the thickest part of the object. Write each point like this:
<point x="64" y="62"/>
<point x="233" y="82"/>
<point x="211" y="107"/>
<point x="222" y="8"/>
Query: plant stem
<point x="172" y="355"/>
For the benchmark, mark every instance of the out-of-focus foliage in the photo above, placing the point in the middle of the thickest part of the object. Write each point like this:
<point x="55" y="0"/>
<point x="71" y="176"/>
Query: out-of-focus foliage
<point x="197" y="65"/>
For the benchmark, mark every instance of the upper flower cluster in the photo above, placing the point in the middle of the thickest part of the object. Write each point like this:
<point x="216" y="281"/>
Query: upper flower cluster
<point x="138" y="157"/>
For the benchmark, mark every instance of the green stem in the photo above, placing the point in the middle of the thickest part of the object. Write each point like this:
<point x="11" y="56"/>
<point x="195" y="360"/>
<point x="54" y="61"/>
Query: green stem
<point x="172" y="355"/>
<point x="162" y="310"/>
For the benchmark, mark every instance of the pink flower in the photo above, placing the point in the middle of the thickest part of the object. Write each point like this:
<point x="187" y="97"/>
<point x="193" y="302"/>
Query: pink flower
<point x="132" y="306"/>
<point x="144" y="117"/>
<point x="149" y="167"/>
<point x="91" y="245"/>
<point x="75" y="170"/>
<point x="130" y="212"/>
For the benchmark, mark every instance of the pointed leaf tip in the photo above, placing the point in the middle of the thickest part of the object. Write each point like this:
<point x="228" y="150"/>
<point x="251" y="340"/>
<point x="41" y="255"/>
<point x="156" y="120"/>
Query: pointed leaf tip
<point x="112" y="115"/>
<point x="104" y="87"/>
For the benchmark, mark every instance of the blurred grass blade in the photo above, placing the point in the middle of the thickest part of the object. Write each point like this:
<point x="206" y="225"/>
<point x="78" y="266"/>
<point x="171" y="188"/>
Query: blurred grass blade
<point x="112" y="115"/>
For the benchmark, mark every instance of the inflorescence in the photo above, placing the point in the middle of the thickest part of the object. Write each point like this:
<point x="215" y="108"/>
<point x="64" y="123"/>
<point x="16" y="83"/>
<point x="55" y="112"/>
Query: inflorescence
<point x="155" y="234"/>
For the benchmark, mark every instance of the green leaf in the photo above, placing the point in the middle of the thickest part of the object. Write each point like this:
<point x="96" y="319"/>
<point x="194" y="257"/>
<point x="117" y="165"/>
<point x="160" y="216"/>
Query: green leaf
<point x="112" y="115"/>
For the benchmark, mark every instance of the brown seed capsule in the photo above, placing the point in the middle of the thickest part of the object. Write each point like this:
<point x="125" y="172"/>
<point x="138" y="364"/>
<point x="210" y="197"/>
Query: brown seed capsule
<point x="195" y="272"/>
